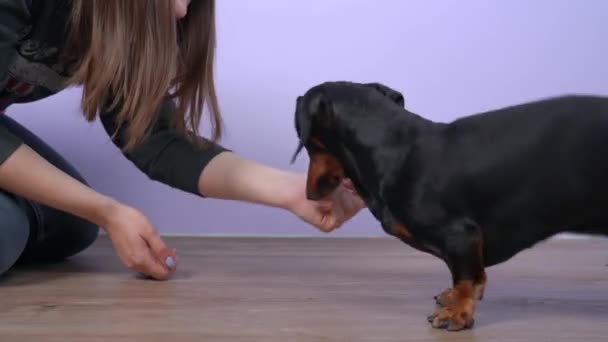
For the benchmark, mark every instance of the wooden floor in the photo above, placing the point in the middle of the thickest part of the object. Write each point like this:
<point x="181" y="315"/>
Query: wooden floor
<point x="291" y="290"/>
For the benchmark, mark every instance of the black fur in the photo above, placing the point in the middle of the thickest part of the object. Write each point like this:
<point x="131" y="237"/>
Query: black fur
<point x="499" y="181"/>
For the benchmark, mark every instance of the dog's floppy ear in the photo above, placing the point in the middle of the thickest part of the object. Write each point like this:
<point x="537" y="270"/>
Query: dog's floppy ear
<point x="302" y="127"/>
<point x="315" y="110"/>
<point x="389" y="92"/>
<point x="320" y="110"/>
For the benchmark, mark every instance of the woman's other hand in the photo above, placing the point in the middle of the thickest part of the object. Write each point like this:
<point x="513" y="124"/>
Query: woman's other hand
<point x="138" y="244"/>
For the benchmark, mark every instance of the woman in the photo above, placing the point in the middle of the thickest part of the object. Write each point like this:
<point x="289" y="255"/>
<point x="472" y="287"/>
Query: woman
<point x="146" y="70"/>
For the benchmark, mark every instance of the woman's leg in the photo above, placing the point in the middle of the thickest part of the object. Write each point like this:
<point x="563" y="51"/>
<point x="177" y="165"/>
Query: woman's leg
<point x="14" y="230"/>
<point x="54" y="235"/>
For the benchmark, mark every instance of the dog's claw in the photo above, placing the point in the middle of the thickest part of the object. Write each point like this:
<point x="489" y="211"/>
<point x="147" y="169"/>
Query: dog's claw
<point x="467" y="325"/>
<point x="444" y="298"/>
<point x="443" y="321"/>
<point x="440" y="324"/>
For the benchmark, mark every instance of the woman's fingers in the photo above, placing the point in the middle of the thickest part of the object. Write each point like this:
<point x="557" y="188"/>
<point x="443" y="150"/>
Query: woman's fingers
<point x="154" y="268"/>
<point x="159" y="250"/>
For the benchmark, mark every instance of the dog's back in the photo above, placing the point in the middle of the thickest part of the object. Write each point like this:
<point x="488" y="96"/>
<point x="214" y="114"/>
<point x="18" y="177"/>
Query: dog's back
<point x="543" y="163"/>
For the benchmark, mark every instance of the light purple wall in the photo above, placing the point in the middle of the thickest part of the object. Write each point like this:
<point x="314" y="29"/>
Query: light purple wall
<point x="449" y="58"/>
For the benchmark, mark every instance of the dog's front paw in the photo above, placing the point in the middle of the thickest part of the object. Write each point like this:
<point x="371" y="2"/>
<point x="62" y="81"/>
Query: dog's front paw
<point x="448" y="295"/>
<point x="445" y="297"/>
<point x="456" y="315"/>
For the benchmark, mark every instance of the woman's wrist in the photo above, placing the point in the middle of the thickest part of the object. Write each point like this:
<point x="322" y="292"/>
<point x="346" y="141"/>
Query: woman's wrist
<point x="292" y="190"/>
<point x="230" y="177"/>
<point x="104" y="211"/>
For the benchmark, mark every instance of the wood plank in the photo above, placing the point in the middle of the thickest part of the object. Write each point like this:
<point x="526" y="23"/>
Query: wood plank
<point x="305" y="289"/>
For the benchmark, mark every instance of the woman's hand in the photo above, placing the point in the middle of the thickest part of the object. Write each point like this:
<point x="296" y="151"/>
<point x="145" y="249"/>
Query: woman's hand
<point x="138" y="244"/>
<point x="329" y="213"/>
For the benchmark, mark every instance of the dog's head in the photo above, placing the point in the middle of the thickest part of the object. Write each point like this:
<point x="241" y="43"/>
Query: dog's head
<point x="323" y="115"/>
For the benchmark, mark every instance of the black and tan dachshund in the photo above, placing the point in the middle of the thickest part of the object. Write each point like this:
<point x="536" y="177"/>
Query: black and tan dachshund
<point x="473" y="192"/>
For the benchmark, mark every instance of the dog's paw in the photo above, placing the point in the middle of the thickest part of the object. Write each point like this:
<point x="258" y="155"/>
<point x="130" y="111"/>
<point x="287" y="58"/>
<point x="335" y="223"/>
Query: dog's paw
<point x="448" y="295"/>
<point x="455" y="316"/>
<point x="444" y="298"/>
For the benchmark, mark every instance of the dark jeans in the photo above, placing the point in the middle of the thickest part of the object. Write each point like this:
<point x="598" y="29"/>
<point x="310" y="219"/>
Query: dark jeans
<point x="31" y="232"/>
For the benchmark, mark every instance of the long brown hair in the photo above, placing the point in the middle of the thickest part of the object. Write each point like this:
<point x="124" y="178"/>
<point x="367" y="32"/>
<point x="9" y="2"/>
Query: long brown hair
<point x="135" y="54"/>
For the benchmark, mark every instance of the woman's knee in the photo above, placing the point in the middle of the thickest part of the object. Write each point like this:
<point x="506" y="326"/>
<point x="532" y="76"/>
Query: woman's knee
<point x="83" y="235"/>
<point x="14" y="231"/>
<point x="59" y="235"/>
<point x="86" y="234"/>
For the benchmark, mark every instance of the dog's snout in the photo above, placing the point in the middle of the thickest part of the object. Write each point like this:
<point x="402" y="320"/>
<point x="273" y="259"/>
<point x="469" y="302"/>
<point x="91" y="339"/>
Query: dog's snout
<point x="325" y="173"/>
<point x="325" y="185"/>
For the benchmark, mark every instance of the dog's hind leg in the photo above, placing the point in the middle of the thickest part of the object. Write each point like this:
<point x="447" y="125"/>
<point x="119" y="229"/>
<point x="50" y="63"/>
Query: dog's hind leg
<point x="463" y="255"/>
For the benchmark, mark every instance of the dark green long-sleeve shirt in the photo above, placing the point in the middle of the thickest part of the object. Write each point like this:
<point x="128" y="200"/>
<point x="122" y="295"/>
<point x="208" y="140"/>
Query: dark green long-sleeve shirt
<point x="32" y="33"/>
